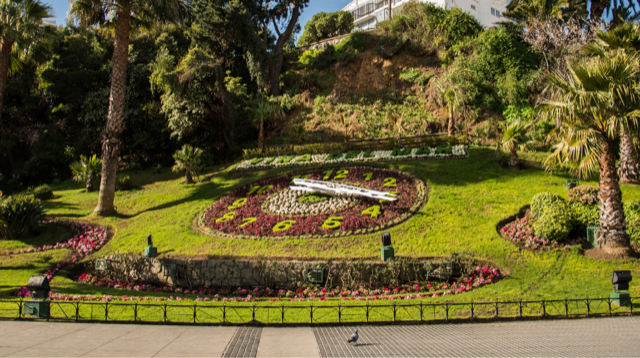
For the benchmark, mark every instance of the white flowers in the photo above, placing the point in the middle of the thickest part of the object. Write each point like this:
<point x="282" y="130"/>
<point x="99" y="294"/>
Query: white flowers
<point x="287" y="202"/>
<point x="362" y="156"/>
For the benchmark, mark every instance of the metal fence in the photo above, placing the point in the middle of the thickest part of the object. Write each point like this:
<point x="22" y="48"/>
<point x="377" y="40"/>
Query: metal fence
<point x="200" y="313"/>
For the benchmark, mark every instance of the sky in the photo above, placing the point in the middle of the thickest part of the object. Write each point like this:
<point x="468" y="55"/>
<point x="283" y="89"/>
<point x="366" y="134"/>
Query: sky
<point x="61" y="7"/>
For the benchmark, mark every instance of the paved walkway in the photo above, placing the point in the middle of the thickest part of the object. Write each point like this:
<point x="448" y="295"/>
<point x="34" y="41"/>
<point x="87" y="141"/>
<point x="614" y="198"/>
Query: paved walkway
<point x="594" y="337"/>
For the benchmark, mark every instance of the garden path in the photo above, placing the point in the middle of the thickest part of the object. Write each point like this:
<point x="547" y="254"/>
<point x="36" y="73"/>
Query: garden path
<point x="601" y="337"/>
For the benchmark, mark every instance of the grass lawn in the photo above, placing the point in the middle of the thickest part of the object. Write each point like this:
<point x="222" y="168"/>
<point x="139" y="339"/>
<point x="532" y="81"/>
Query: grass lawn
<point x="468" y="198"/>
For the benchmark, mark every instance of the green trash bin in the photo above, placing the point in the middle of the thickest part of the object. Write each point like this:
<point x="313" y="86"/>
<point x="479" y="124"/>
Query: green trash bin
<point x="37" y="309"/>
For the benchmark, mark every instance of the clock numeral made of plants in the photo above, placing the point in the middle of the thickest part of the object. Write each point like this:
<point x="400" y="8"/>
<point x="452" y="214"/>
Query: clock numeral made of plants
<point x="270" y="208"/>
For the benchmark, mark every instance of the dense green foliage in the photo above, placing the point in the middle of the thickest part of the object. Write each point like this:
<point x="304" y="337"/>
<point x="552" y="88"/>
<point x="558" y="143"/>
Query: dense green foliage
<point x="43" y="192"/>
<point x="555" y="222"/>
<point x="542" y="201"/>
<point x="326" y="25"/>
<point x="19" y="216"/>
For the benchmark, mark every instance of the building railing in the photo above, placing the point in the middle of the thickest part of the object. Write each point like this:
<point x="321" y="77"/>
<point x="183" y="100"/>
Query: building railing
<point x="371" y="7"/>
<point x="199" y="313"/>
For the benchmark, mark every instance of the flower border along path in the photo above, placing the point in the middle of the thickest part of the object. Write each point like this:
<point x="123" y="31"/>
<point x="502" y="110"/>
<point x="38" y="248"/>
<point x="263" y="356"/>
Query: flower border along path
<point x="268" y="209"/>
<point x="355" y="156"/>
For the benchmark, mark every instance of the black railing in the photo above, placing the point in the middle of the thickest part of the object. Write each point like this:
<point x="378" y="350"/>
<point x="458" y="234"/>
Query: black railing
<point x="200" y="313"/>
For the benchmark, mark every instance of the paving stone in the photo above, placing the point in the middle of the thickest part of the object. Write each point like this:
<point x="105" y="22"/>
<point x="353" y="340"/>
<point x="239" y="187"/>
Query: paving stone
<point x="244" y="343"/>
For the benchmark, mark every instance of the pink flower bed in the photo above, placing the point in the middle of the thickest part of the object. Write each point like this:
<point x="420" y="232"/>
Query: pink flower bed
<point x="478" y="277"/>
<point x="521" y="232"/>
<point x="87" y="240"/>
<point x="352" y="217"/>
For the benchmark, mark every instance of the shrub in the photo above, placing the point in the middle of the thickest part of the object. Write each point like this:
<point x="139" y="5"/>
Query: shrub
<point x="541" y="202"/>
<point x="19" y="216"/>
<point x="583" y="194"/>
<point x="410" y="75"/>
<point x="555" y="222"/>
<point x="43" y="192"/>
<point x="123" y="183"/>
<point x="308" y="58"/>
<point x="584" y="216"/>
<point x="633" y="225"/>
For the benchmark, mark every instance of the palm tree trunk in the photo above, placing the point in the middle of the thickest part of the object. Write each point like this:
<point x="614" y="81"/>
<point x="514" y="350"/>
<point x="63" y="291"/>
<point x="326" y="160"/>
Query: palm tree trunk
<point x="597" y="9"/>
<point x="513" y="157"/>
<point x="451" y="124"/>
<point x="5" y="62"/>
<point x="89" y="185"/>
<point x="612" y="221"/>
<point x="261" y="137"/>
<point x="188" y="179"/>
<point x="628" y="166"/>
<point x="115" y="118"/>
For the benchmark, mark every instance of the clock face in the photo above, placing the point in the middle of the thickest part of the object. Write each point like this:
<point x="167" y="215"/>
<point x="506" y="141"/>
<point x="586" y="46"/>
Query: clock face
<point x="270" y="208"/>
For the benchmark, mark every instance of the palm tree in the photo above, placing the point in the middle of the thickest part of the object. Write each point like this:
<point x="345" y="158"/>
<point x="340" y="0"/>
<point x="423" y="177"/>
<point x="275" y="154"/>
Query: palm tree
<point x="588" y="104"/>
<point x="20" y="26"/>
<point x="123" y="14"/>
<point x="453" y="100"/>
<point x="263" y="111"/>
<point x="86" y="170"/>
<point x="513" y="137"/>
<point x="188" y="159"/>
<point x="625" y="37"/>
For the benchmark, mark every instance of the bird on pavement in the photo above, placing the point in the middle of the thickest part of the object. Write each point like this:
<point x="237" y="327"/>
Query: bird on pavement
<point x="354" y="338"/>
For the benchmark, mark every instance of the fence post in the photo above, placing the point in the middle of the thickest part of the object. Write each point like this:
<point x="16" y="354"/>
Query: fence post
<point x="106" y="311"/>
<point x="20" y="309"/>
<point x="224" y="313"/>
<point x="282" y="310"/>
<point x="77" y="310"/>
<point x="497" y="313"/>
<point x="367" y="312"/>
<point x="311" y="313"/>
<point x="471" y="310"/>
<point x="446" y="311"/>
<point x="544" y="309"/>
<point x="394" y="311"/>
<point x="609" y="300"/>
<point x="339" y="313"/>
<point x="520" y="308"/>
<point x="253" y="313"/>
<point x="195" y="309"/>
<point x="421" y="313"/>
<point x="588" y="308"/>
<point x="566" y="308"/>
<point x="135" y="312"/>
<point x="165" y="313"/>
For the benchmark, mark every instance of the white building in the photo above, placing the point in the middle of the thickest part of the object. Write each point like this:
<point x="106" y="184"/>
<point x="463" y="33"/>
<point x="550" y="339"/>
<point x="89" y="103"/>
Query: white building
<point x="367" y="13"/>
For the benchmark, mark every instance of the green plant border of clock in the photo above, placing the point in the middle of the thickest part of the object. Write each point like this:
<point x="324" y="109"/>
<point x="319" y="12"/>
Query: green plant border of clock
<point x="421" y="199"/>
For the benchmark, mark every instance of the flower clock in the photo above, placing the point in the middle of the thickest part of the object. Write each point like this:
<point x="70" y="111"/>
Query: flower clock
<point x="271" y="208"/>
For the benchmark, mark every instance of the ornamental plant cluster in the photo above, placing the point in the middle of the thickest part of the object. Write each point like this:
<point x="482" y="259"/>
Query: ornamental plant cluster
<point x="423" y="152"/>
<point x="478" y="277"/>
<point x="264" y="209"/>
<point x="19" y="216"/>
<point x="554" y="222"/>
<point x="87" y="240"/>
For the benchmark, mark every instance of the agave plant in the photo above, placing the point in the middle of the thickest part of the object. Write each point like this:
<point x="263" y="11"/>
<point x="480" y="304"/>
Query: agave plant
<point x="86" y="170"/>
<point x="188" y="159"/>
<point x="513" y="139"/>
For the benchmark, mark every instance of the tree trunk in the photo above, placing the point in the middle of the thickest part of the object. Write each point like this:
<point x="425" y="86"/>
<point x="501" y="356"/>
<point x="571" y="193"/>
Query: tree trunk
<point x="628" y="166"/>
<point x="278" y="58"/>
<point x="261" y="137"/>
<point x="513" y="157"/>
<point x="390" y="3"/>
<point x="115" y="118"/>
<point x="614" y="239"/>
<point x="5" y="62"/>
<point x="597" y="9"/>
<point x="451" y="123"/>
<point x="89" y="185"/>
<point x="188" y="179"/>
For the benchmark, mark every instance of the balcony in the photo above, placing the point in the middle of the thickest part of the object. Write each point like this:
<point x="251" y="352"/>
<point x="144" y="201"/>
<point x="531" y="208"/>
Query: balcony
<point x="371" y="7"/>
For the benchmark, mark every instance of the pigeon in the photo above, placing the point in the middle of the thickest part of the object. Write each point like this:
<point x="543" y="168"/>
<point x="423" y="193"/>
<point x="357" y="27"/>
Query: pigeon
<point x="354" y="338"/>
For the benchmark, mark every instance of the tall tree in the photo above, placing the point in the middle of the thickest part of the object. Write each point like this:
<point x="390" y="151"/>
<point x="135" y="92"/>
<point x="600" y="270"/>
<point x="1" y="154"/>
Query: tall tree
<point x="593" y="103"/>
<point x="281" y="14"/>
<point x="623" y="36"/>
<point x="20" y="27"/>
<point x="121" y="14"/>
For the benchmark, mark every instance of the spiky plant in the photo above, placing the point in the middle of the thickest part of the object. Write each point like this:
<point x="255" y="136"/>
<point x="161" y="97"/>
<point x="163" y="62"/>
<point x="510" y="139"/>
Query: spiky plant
<point x="86" y="170"/>
<point x="513" y="139"/>
<point x="188" y="159"/>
